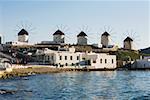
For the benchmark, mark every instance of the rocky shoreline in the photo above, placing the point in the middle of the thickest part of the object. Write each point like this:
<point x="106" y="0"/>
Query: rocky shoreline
<point x="20" y="72"/>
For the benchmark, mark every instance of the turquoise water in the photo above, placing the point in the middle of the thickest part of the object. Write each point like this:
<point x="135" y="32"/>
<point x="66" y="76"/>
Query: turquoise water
<point x="100" y="85"/>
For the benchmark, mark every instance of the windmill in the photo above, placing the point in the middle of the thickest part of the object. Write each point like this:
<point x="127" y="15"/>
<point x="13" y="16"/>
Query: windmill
<point x="131" y="40"/>
<point x="106" y="36"/>
<point x="23" y="29"/>
<point x="82" y="36"/>
<point x="89" y="36"/>
<point x="59" y="36"/>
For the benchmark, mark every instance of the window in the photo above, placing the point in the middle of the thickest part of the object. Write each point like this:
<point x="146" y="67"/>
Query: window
<point x="70" y="57"/>
<point x="77" y="57"/>
<point x="48" y="58"/>
<point x="112" y="61"/>
<point x="101" y="60"/>
<point x="66" y="64"/>
<point x="105" y="61"/>
<point x="72" y="64"/>
<point x="60" y="57"/>
<point x="94" y="61"/>
<point x="83" y="58"/>
<point x="52" y="57"/>
<point x="65" y="57"/>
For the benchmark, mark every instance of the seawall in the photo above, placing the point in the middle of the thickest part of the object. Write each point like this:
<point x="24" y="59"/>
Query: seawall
<point x="41" y="69"/>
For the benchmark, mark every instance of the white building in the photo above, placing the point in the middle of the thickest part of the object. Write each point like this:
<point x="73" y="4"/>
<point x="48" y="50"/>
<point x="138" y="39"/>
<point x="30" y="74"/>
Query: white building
<point x="142" y="64"/>
<point x="128" y="43"/>
<point x="100" y="60"/>
<point x="82" y="38"/>
<point x="23" y="36"/>
<point x="59" y="37"/>
<point x="17" y="43"/>
<point x="76" y="59"/>
<point x="59" y="58"/>
<point x="105" y="39"/>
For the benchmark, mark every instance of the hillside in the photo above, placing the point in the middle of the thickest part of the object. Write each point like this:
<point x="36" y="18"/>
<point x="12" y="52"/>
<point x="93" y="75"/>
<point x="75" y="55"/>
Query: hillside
<point x="145" y="51"/>
<point x="127" y="55"/>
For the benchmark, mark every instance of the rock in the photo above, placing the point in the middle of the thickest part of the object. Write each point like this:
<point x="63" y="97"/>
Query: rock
<point x="3" y="91"/>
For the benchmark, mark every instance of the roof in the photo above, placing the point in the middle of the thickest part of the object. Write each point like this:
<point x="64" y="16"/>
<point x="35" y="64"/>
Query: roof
<point x="58" y="32"/>
<point x="105" y="34"/>
<point x="81" y="34"/>
<point x="128" y="39"/>
<point x="23" y="32"/>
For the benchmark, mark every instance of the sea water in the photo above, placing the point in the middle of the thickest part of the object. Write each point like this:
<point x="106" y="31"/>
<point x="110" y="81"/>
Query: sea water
<point x="96" y="85"/>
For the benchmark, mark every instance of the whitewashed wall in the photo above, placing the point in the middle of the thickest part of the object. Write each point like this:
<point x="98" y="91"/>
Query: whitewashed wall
<point x="59" y="38"/>
<point x="23" y="38"/>
<point x="82" y="40"/>
<point x="95" y="61"/>
<point x="105" y="40"/>
<point x="128" y="45"/>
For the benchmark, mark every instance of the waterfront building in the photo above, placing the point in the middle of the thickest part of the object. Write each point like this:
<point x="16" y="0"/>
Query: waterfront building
<point x="82" y="38"/>
<point x="142" y="63"/>
<point x="105" y="39"/>
<point x="128" y="43"/>
<point x="68" y="57"/>
<point x="62" y="57"/>
<point x="100" y="60"/>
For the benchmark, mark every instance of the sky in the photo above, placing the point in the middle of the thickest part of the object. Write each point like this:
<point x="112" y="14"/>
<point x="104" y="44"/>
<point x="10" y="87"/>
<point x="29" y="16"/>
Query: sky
<point x="42" y="18"/>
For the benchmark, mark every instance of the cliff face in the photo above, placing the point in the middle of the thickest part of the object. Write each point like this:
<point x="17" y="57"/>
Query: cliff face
<point x="145" y="51"/>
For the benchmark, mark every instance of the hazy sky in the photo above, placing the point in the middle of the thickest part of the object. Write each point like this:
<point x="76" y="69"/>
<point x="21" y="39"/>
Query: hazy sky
<point x="43" y="18"/>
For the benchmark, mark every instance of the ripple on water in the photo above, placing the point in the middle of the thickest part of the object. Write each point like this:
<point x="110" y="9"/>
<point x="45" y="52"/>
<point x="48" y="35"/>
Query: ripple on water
<point x="141" y="97"/>
<point x="103" y="85"/>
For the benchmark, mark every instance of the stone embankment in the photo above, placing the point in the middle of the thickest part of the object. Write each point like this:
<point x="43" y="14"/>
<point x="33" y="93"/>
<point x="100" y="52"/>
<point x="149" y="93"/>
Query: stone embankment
<point x="29" y="71"/>
<point x="32" y="70"/>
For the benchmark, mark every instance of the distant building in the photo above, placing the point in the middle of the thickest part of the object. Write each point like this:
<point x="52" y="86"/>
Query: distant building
<point x="17" y="43"/>
<point x="142" y="63"/>
<point x="0" y="39"/>
<point x="23" y="36"/>
<point x="105" y="39"/>
<point x="59" y="37"/>
<point x="82" y="38"/>
<point x="128" y="43"/>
